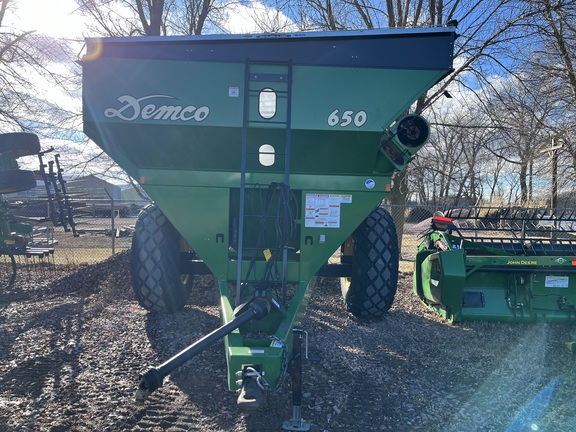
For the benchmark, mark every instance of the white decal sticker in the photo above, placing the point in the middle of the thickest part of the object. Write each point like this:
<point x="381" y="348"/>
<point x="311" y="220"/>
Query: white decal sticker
<point x="133" y="109"/>
<point x="556" y="282"/>
<point x="323" y="211"/>
<point x="233" y="91"/>
<point x="370" y="184"/>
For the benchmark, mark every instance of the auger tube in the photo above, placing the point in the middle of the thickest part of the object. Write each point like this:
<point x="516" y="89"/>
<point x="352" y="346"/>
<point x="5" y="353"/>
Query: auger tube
<point x="153" y="378"/>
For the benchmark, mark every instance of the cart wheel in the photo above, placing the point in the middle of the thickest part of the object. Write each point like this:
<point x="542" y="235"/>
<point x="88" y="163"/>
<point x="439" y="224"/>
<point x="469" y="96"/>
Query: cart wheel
<point x="370" y="291"/>
<point x="20" y="144"/>
<point x="16" y="181"/>
<point x="155" y="263"/>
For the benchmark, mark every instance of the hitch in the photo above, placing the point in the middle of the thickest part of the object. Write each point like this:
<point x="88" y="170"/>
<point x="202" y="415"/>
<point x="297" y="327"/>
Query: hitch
<point x="254" y="392"/>
<point x="153" y="378"/>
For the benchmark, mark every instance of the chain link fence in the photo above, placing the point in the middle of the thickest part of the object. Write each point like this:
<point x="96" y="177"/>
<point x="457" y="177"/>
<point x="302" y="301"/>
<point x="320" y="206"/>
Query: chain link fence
<point x="416" y="220"/>
<point x="104" y="227"/>
<point x="100" y="229"/>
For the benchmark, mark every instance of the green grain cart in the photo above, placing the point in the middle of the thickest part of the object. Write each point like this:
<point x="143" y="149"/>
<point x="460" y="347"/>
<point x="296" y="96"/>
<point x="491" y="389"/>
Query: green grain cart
<point x="264" y="154"/>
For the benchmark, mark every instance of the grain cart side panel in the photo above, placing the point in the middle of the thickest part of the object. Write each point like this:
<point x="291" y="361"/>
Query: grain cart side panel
<point x="265" y="153"/>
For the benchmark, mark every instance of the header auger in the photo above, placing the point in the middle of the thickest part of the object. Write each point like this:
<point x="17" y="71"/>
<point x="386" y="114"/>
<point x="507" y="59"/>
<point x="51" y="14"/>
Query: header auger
<point x="263" y="154"/>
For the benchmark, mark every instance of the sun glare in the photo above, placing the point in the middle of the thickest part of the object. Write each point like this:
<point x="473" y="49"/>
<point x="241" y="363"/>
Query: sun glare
<point x="51" y="18"/>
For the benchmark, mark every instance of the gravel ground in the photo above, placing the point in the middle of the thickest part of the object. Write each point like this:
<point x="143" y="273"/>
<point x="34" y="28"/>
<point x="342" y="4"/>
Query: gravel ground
<point x="73" y="341"/>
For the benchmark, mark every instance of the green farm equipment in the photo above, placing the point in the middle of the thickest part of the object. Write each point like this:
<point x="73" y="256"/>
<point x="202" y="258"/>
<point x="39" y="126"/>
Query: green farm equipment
<point x="15" y="235"/>
<point x="509" y="264"/>
<point x="264" y="154"/>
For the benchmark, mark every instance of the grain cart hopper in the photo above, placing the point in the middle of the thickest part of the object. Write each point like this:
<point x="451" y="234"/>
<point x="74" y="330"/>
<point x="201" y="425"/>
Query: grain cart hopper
<point x="263" y="154"/>
<point x="510" y="264"/>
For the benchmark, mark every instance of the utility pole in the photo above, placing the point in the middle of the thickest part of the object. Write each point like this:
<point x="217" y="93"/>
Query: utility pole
<point x="554" y="151"/>
<point x="554" y="197"/>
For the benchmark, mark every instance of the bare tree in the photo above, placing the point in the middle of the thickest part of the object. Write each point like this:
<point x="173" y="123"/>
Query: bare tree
<point x="30" y="63"/>
<point x="455" y="167"/>
<point x="560" y="19"/>
<point x="555" y="62"/>
<point x="151" y="14"/>
<point x="147" y="17"/>
<point x="524" y="109"/>
<point x="196" y="14"/>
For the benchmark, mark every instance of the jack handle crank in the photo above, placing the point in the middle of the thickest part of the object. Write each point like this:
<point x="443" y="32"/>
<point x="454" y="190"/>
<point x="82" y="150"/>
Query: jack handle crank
<point x="154" y="377"/>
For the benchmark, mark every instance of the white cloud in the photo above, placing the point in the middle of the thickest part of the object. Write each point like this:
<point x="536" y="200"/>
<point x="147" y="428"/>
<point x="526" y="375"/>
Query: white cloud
<point x="50" y="18"/>
<point x="256" y="18"/>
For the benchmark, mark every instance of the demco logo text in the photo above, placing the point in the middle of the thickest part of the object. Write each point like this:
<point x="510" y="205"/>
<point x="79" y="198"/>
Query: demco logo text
<point x="142" y="108"/>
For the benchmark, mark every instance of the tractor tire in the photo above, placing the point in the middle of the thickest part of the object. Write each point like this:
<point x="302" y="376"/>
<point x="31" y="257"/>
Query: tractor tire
<point x="16" y="181"/>
<point x="370" y="290"/>
<point x="155" y="263"/>
<point x="19" y="144"/>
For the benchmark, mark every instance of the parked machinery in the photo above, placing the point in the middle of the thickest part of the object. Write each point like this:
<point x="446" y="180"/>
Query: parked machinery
<point x="263" y="154"/>
<point x="15" y="235"/>
<point x="512" y="264"/>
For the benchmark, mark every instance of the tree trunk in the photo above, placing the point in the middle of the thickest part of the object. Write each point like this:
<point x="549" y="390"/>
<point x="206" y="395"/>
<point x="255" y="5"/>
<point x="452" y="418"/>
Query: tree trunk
<point x="155" y="10"/>
<point x="523" y="183"/>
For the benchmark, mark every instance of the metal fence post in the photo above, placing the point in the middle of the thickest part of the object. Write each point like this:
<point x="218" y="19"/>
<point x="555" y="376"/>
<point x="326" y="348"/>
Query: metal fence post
<point x="112" y="227"/>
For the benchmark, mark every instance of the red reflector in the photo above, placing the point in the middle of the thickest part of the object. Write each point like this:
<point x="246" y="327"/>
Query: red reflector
<point x="442" y="220"/>
<point x="442" y="223"/>
<point x="142" y="180"/>
<point x="574" y="261"/>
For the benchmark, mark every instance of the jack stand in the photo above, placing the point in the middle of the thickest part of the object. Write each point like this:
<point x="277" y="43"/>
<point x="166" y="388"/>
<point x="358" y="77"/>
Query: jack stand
<point x="297" y="423"/>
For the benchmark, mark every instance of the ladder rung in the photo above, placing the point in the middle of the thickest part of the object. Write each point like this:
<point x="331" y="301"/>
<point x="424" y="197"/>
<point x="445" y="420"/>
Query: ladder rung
<point x="266" y="153"/>
<point x="278" y="92"/>
<point x="268" y="77"/>
<point x="267" y="122"/>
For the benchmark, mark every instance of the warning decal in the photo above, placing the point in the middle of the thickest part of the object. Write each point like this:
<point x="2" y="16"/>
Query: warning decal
<point x="556" y="282"/>
<point x="323" y="210"/>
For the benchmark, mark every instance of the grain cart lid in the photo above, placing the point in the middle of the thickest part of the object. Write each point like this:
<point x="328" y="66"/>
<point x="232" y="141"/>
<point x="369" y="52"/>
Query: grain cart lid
<point x="176" y="103"/>
<point x="416" y="48"/>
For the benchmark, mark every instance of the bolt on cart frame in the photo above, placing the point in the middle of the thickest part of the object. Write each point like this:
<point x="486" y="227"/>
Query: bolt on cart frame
<point x="263" y="155"/>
